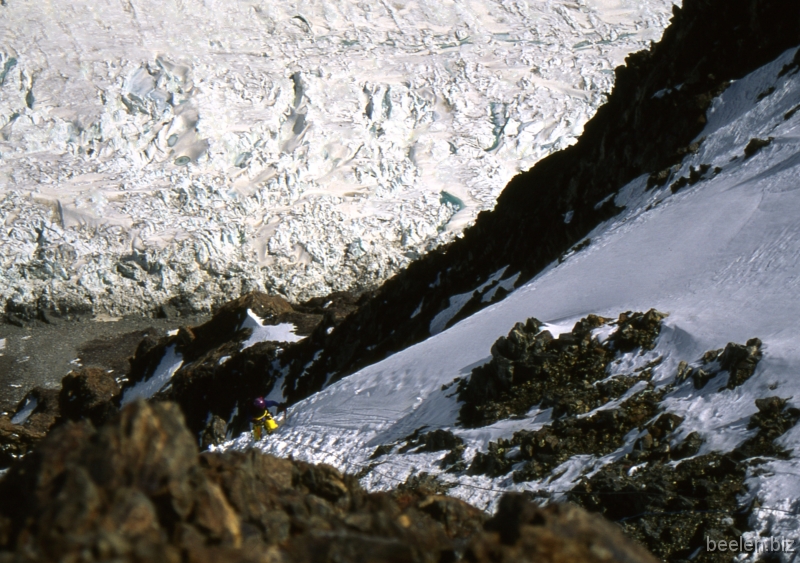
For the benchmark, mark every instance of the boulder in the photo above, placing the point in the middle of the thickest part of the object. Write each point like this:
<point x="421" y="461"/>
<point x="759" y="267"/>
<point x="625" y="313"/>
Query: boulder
<point x="88" y="393"/>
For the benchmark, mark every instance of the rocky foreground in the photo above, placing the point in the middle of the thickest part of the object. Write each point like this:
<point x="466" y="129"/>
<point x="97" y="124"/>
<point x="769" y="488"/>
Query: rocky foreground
<point x="659" y="490"/>
<point x="137" y="489"/>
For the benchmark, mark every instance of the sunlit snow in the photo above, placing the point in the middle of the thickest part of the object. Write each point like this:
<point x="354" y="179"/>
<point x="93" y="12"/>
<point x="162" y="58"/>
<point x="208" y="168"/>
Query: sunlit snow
<point x="283" y="332"/>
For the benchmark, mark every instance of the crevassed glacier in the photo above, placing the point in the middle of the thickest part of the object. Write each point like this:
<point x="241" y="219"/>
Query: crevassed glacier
<point x="201" y="149"/>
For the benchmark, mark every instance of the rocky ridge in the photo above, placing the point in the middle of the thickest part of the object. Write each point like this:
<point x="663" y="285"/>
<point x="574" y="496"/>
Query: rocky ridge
<point x="136" y="489"/>
<point x="219" y="373"/>
<point x="550" y="209"/>
<point x="529" y="367"/>
<point x="653" y="483"/>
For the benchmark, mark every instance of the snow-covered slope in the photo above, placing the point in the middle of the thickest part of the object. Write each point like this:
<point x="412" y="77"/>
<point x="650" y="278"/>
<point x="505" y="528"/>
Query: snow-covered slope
<point x="720" y="253"/>
<point x="203" y="149"/>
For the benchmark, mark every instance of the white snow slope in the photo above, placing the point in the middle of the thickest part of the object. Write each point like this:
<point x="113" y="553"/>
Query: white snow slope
<point x="722" y="257"/>
<point x="207" y="148"/>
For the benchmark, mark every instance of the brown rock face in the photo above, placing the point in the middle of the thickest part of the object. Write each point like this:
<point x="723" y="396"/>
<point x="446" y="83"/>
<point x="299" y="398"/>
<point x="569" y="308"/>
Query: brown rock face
<point x="137" y="490"/>
<point x="88" y="393"/>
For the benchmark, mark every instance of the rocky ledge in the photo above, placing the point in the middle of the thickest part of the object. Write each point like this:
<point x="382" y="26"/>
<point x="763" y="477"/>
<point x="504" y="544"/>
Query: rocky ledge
<point x="136" y="489"/>
<point x="220" y="371"/>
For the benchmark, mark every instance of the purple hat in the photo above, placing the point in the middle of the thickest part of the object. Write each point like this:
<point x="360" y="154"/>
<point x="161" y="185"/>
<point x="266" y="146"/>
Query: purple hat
<point x="259" y="403"/>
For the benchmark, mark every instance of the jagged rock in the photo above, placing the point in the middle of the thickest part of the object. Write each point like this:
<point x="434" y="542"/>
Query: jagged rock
<point x="706" y="487"/>
<point x="453" y="461"/>
<point x="654" y="444"/>
<point x="137" y="490"/>
<point x="740" y="361"/>
<point x="85" y="394"/>
<point x="434" y="441"/>
<point x="544" y="449"/>
<point x="599" y="434"/>
<point x="701" y="377"/>
<point x="383" y="449"/>
<point x="225" y="323"/>
<point x="660" y="178"/>
<point x="515" y="346"/>
<point x="529" y="367"/>
<point x="216" y="375"/>
<point x="573" y="389"/>
<point x="440" y="440"/>
<point x="147" y="356"/>
<point x="88" y="393"/>
<point x="637" y="330"/>
<point x="772" y="420"/>
<point x="492" y="464"/>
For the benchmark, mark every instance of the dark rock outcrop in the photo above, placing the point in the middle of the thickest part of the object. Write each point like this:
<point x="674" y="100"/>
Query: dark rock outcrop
<point x="89" y="393"/>
<point x="738" y="360"/>
<point x="435" y="441"/>
<point x="569" y="373"/>
<point x="217" y="376"/>
<point x="756" y="145"/>
<point x="137" y="490"/>
<point x="672" y="508"/>
<point x="545" y="449"/>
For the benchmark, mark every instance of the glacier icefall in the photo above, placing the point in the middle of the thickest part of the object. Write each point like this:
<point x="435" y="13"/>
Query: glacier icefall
<point x="200" y="149"/>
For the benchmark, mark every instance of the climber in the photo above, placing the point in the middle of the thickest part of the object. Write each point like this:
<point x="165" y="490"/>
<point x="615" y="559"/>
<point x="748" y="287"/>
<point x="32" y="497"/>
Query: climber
<point x="263" y="419"/>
